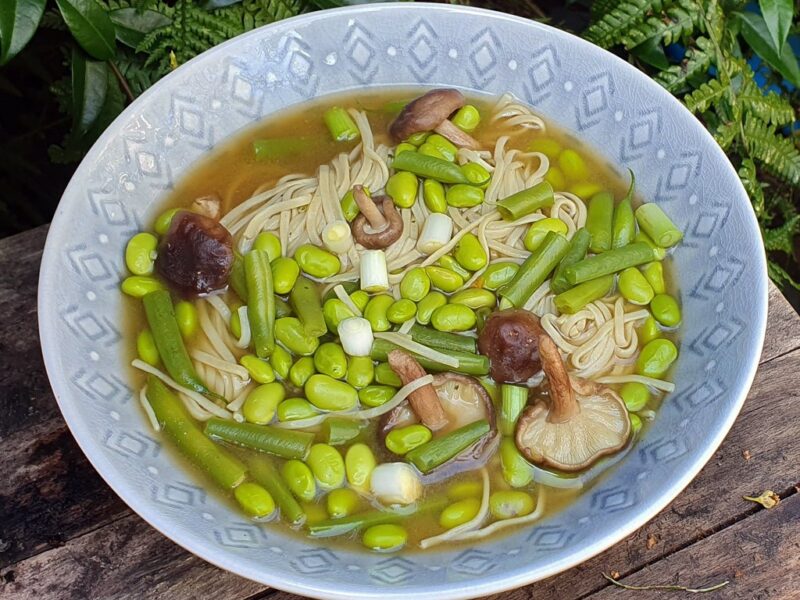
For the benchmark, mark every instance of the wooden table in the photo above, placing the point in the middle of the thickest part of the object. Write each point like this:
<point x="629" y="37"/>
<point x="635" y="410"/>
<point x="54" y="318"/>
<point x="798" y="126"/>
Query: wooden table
<point x="65" y="535"/>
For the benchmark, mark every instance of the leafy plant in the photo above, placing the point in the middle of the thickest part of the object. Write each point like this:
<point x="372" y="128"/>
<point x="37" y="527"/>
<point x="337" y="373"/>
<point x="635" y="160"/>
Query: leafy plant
<point x="736" y="69"/>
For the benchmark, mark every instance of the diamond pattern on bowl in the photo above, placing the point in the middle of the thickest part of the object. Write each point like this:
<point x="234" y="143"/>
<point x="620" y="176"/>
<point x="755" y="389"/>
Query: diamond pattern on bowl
<point x="723" y="274"/>
<point x="360" y="49"/>
<point x="394" y="570"/>
<point x="178" y="495"/>
<point x="87" y="325"/>
<point x="662" y="450"/>
<point x="188" y="117"/>
<point x="613" y="499"/>
<point x="700" y="395"/>
<point x="132" y="444"/>
<point x="594" y="100"/>
<point x="315" y="561"/>
<point x="713" y="339"/>
<point x="549" y="537"/>
<point x="483" y="58"/>
<point x="423" y="51"/>
<point x="544" y="65"/>
<point x="241" y="535"/>
<point x="680" y="175"/>
<point x="642" y="133"/>
<point x="474" y="562"/>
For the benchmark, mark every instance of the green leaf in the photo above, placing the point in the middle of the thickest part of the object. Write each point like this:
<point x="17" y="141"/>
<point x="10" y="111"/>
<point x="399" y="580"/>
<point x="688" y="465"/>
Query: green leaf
<point x="756" y="34"/>
<point x="214" y="4"/>
<point x="89" y="87"/>
<point x="614" y="25"/>
<point x="678" y="77"/>
<point x="90" y="25"/>
<point x="652" y="52"/>
<point x="778" y="16"/>
<point x="18" y="22"/>
<point x="705" y="96"/>
<point x="132" y="25"/>
<point x="777" y="152"/>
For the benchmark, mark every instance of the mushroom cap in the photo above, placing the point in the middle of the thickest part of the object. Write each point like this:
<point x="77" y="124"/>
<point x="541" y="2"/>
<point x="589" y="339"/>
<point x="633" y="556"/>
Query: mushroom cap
<point x="377" y="240"/>
<point x="426" y="112"/>
<point x="599" y="427"/>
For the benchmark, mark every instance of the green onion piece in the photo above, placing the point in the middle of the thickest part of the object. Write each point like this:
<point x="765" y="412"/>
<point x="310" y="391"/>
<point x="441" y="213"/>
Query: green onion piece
<point x="340" y="124"/>
<point x="285" y="443"/>
<point x="526" y="201"/>
<point x="578" y="246"/>
<point x="443" y="340"/>
<point x="599" y="221"/>
<point x="513" y="399"/>
<point x="266" y="474"/>
<point x="439" y="450"/>
<point x="533" y="272"/>
<point x="656" y="224"/>
<point x="609" y="262"/>
<point x="277" y="148"/>
<point x="576" y="298"/>
<point x="429" y="166"/>
<point x="469" y="364"/>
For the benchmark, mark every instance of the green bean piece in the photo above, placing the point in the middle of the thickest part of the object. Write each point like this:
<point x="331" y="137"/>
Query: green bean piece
<point x="599" y="221"/>
<point x="476" y="175"/>
<point x="659" y="253"/>
<point x="623" y="229"/>
<point x="434" y="196"/>
<point x="140" y="253"/>
<point x="262" y="401"/>
<point x="474" y="298"/>
<point x="444" y="279"/>
<point x="328" y="393"/>
<point x="415" y="284"/>
<point x="342" y="502"/>
<point x="385" y="376"/>
<point x="449" y="262"/>
<point x="299" y="479"/>
<point x="360" y="371"/>
<point x="402" y="188"/>
<point x="290" y="332"/>
<point x="649" y="330"/>
<point x="635" y="395"/>
<point x="634" y="287"/>
<point x="278" y="148"/>
<point x="469" y="364"/>
<point x="527" y="201"/>
<point x="268" y="242"/>
<point x="138" y="286"/>
<point x="286" y="443"/>
<point x="293" y="409"/>
<point x="281" y="362"/>
<point x="516" y="470"/>
<point x="237" y="279"/>
<point x="469" y="253"/>
<point x="401" y="311"/>
<point x="260" y="302"/>
<point x="225" y="469"/>
<point x="513" y="399"/>
<point x="576" y="298"/>
<point x="657" y="225"/>
<point x="376" y="310"/>
<point x="305" y="301"/>
<point x="254" y="500"/>
<point x="572" y="164"/>
<point x="338" y="432"/>
<point x="301" y="370"/>
<point x="508" y="504"/>
<point x="535" y="270"/>
<point x="467" y="118"/>
<point x="654" y="274"/>
<point x="464" y="195"/>
<point x="453" y="317"/>
<point x="608" y="263"/>
<point x="497" y="274"/>
<point x="264" y="472"/>
<point x="656" y="358"/>
<point x="340" y="124"/>
<point x="578" y="246"/>
<point x="317" y="262"/>
<point x="327" y="465"/>
<point x="359" y="462"/>
<point x="438" y="451"/>
<point x="164" y="220"/>
<point x="285" y="272"/>
<point x="331" y="360"/>
<point x="666" y="310"/>
<point x="459" y="512"/>
<point x="428" y="304"/>
<point x="538" y="231"/>
<point x="428" y="167"/>
<point x="167" y="336"/>
<point x="376" y="395"/>
<point x="444" y="146"/>
<point x="345" y="525"/>
<point x="402" y="440"/>
<point x="146" y="347"/>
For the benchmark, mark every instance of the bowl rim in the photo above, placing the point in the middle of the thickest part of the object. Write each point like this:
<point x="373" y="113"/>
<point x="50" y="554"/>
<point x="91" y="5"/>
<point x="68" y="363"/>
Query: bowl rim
<point x="479" y="586"/>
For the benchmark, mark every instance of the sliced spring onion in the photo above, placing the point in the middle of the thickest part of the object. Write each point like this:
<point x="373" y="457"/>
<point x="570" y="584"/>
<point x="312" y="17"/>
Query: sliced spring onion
<point x="436" y="232"/>
<point x="544" y="477"/>
<point x="244" y="326"/>
<point x="336" y="237"/>
<point x="355" y="334"/>
<point x="374" y="273"/>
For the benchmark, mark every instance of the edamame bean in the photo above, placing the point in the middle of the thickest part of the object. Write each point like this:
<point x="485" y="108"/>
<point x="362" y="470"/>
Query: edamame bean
<point x="427" y="305"/>
<point x="654" y="273"/>
<point x="375" y="312"/>
<point x="139" y="286"/>
<point x="634" y="287"/>
<point x="403" y="146"/>
<point x="572" y="165"/>
<point x="402" y="188"/>
<point x="269" y="243"/>
<point x="666" y="310"/>
<point x="449" y="262"/>
<point x="547" y="146"/>
<point x="474" y="298"/>
<point x="635" y="395"/>
<point x="335" y="311"/>
<point x="317" y="262"/>
<point x="327" y="393"/>
<point x="516" y="470"/>
<point x="459" y="512"/>
<point x="401" y="311"/>
<point x="497" y="275"/>
<point x="465" y="489"/>
<point x="327" y="465"/>
<point x="376" y="395"/>
<point x="293" y="409"/>
<point x="360" y="372"/>
<point x="463" y="195"/>
<point x="431" y="150"/>
<point x="386" y="376"/>
<point x="299" y="479"/>
<point x="444" y="279"/>
<point x="649" y="330"/>
<point x="386" y="536"/>
<point x="404" y="439"/>
<point x="444" y="146"/>
<point x="415" y="284"/>
<point x="342" y="502"/>
<point x="360" y="298"/>
<point x="254" y="499"/>
<point x="146" y="347"/>
<point x="331" y="360"/>
<point x="538" y="231"/>
<point x="469" y="253"/>
<point x="656" y="358"/>
<point x="467" y="118"/>
<point x="260" y="405"/>
<point x="285" y="272"/>
<point x="281" y="362"/>
<point x="359" y="462"/>
<point x="301" y="370"/>
<point x="636" y="424"/>
<point x="164" y="220"/>
<point x="140" y="253"/>
<point x="434" y="196"/>
<point x="260" y="370"/>
<point x="289" y="332"/>
<point x="507" y="504"/>
<point x="555" y="177"/>
<point x="584" y="189"/>
<point x="453" y="317"/>
<point x="186" y="315"/>
<point x="476" y="174"/>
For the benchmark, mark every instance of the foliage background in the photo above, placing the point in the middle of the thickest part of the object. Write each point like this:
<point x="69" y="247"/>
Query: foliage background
<point x="68" y="67"/>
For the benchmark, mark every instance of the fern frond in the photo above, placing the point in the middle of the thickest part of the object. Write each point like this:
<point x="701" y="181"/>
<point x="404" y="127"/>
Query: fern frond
<point x="708" y="94"/>
<point x="725" y="133"/>
<point x="613" y="26"/>
<point x="780" y="275"/>
<point x="770" y="108"/>
<point x="695" y="64"/>
<point x="777" y="152"/>
<point x="256" y="13"/>
<point x="749" y="177"/>
<point x="676" y="23"/>
<point x="781" y="239"/>
<point x="602" y="7"/>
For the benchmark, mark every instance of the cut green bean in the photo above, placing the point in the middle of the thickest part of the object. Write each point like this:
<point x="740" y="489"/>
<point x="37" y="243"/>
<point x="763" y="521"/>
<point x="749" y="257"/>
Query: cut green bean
<point x="513" y="399"/>
<point x="576" y="298"/>
<point x="438" y="451"/>
<point x="237" y="279"/>
<point x="345" y="525"/>
<point x="609" y="262"/>
<point x="442" y="340"/>
<point x="469" y="364"/>
<point x="337" y="431"/>
<point x="277" y="148"/>
<point x="599" y="221"/>
<point x="305" y="301"/>
<point x="578" y="247"/>
<point x="535" y="270"/>
<point x="260" y="302"/>
<point x="340" y="124"/>
<point x="526" y="201"/>
<point x="285" y="443"/>
<point x="226" y="470"/>
<point x="659" y="253"/>
<point x="429" y="166"/>
<point x="657" y="225"/>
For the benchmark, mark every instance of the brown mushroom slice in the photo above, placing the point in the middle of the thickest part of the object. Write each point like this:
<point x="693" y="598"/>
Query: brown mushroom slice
<point x="510" y="338"/>
<point x="196" y="254"/>
<point x="583" y="422"/>
<point x="379" y="224"/>
<point x="430" y="112"/>
<point x="424" y="400"/>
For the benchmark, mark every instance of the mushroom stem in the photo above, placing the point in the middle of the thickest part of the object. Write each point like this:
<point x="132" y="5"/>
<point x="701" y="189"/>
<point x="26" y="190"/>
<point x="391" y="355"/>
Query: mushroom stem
<point x="368" y="208"/>
<point x="425" y="400"/>
<point x="464" y="140"/>
<point x="564" y="405"/>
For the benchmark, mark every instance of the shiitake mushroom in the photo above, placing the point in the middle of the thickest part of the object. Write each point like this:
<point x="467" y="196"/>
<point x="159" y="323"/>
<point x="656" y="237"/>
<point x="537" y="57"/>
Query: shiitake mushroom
<point x="510" y="339"/>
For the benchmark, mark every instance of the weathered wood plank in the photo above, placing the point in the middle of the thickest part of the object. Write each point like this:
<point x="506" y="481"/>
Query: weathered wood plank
<point x="783" y="327"/>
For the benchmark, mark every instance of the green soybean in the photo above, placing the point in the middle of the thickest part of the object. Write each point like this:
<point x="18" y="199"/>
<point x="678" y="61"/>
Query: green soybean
<point x="140" y="253"/>
<point x="656" y="358"/>
<point x="273" y="440"/>
<point x="260" y="405"/>
<point x="188" y="320"/>
<point x="281" y="362"/>
<point x="467" y="118"/>
<point x="516" y="470"/>
<point x="572" y="164"/>
<point x="317" y="262"/>
<point x="402" y="440"/>
<point x="469" y="253"/>
<point x="508" y="504"/>
<point x="330" y="359"/>
<point x="459" y="512"/>
<point x="527" y="201"/>
<point x="285" y="272"/>
<point x="474" y="298"/>
<point x="444" y="146"/>
<point x="476" y="174"/>
<point x="401" y="311"/>
<point x="449" y="262"/>
<point x="403" y="146"/>
<point x="453" y="317"/>
<point x="428" y="304"/>
<point x="578" y="246"/>
<point x="608" y="262"/>
<point x="260" y="370"/>
<point x="270" y="243"/>
<point x="599" y="221"/>
<point x="164" y="220"/>
<point x="576" y="298"/>
<point x="636" y="424"/>
<point x="327" y="465"/>
<point x="376" y="310"/>
<point x="666" y="310"/>
<point x="299" y="479"/>
<point x="649" y="330"/>
<point x="146" y="347"/>
<point x="431" y="150"/>
<point x="327" y="393"/>
<point x="657" y="225"/>
<point x="289" y="331"/>
<point x="301" y="370"/>
<point x="293" y="409"/>
<point x="654" y="273"/>
<point x="342" y="502"/>
<point x="360" y="298"/>
<point x="334" y="311"/>
<point x="465" y="489"/>
<point x="415" y="284"/>
<point x="635" y="395"/>
<point x="434" y="196"/>
<point x="634" y="287"/>
<point x="497" y="275"/>
<point x="428" y="167"/>
<point x="463" y="195"/>
<point x="535" y="270"/>
<point x="337" y="431"/>
<point x="385" y="376"/>
<point x="402" y="188"/>
<point x="254" y="500"/>
<point x="417" y="139"/>
<point x="538" y="231"/>
<point x="444" y="279"/>
<point x="555" y="177"/>
<point x="623" y="229"/>
<point x="376" y="395"/>
<point x="359" y="462"/>
<point x="360" y="371"/>
<point x="386" y="536"/>
<point x="138" y="286"/>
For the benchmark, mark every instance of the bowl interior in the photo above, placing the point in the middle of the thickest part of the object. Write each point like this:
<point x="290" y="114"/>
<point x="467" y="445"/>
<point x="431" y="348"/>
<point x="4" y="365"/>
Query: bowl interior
<point x="720" y="270"/>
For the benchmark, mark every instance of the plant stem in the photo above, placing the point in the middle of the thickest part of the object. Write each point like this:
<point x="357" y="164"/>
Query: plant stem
<point x="669" y="588"/>
<point x="123" y="83"/>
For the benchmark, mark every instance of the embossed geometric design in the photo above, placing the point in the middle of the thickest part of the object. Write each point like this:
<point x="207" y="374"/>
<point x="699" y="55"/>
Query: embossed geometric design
<point x="179" y="495"/>
<point x="642" y="132"/>
<point x="315" y="561"/>
<point x="132" y="444"/>
<point x="299" y="68"/>
<point x="90" y="264"/>
<point x="700" y="395"/>
<point x="114" y="212"/>
<point x="711" y="339"/>
<point x="549" y="537"/>
<point x="544" y="65"/>
<point x="241" y="535"/>
<point x="87" y="324"/>
<point x="422" y="50"/>
<point x="241" y="93"/>
<point x="474" y="562"/>
<point x="594" y="100"/>
<point x="190" y="121"/>
<point x="483" y="58"/>
<point x="662" y="450"/>
<point x="394" y="570"/>
<point x="715" y="281"/>
<point x="359" y="47"/>
<point x="680" y="174"/>
<point x="613" y="499"/>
